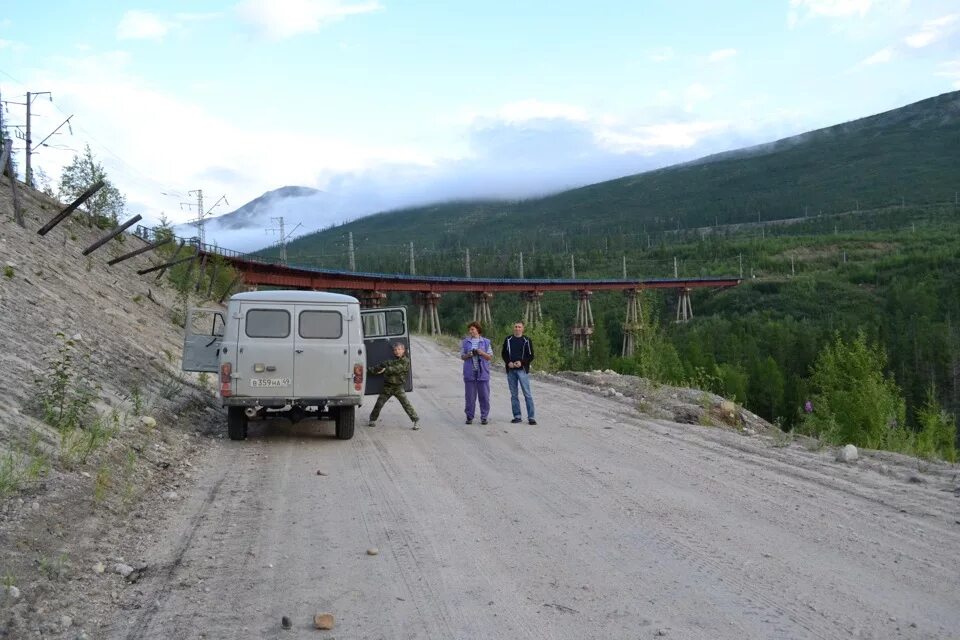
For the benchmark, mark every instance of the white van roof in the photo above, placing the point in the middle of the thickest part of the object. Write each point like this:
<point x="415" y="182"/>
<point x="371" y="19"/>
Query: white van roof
<point x="292" y="295"/>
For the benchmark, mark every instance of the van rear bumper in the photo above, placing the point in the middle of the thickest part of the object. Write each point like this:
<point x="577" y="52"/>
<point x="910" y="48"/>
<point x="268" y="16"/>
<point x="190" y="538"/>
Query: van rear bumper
<point x="254" y="401"/>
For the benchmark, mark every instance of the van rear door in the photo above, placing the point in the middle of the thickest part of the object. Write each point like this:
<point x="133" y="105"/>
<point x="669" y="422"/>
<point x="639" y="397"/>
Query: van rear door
<point x="322" y="364"/>
<point x="381" y="328"/>
<point x="202" y="334"/>
<point x="265" y="350"/>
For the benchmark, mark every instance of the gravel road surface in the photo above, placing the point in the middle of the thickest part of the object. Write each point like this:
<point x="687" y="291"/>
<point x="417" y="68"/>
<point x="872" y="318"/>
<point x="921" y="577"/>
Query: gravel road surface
<point x="596" y="523"/>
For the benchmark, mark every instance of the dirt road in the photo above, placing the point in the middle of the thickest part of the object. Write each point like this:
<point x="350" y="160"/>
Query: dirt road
<point x="593" y="524"/>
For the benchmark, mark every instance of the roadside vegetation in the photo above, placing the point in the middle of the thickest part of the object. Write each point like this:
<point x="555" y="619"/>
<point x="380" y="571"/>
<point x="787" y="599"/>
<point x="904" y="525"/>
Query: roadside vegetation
<point x="815" y="294"/>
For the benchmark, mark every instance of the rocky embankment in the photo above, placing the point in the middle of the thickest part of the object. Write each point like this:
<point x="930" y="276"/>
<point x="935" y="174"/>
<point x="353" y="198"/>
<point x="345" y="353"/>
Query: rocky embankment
<point x="96" y="351"/>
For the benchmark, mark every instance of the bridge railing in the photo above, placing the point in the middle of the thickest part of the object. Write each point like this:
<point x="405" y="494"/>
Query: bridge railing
<point x="151" y="234"/>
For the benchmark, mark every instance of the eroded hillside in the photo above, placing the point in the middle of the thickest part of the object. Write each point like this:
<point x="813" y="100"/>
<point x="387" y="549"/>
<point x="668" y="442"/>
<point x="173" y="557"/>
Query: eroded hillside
<point x="98" y="422"/>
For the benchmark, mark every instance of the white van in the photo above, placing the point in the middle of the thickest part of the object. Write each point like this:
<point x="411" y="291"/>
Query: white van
<point x="293" y="354"/>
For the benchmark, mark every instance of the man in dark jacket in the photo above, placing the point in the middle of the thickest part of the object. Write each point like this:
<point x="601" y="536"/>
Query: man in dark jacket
<point x="517" y="352"/>
<point x="394" y="378"/>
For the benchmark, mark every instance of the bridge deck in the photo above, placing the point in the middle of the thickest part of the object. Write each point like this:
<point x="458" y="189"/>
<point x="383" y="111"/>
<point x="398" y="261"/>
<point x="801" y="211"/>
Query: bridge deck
<point x="256" y="272"/>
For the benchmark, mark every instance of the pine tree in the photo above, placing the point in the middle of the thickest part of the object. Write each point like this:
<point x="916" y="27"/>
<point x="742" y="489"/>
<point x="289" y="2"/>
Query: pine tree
<point x="107" y="204"/>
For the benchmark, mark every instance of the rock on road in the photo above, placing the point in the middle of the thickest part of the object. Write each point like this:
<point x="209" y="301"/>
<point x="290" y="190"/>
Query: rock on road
<point x="568" y="529"/>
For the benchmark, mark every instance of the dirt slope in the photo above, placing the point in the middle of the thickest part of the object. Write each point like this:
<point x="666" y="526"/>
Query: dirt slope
<point x="596" y="523"/>
<point x="71" y="500"/>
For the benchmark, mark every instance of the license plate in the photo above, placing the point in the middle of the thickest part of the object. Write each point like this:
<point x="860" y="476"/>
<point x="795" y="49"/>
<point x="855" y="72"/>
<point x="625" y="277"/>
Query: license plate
<point x="269" y="382"/>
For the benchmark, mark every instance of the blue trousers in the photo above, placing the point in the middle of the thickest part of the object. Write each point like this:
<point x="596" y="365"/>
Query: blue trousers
<point x="521" y="377"/>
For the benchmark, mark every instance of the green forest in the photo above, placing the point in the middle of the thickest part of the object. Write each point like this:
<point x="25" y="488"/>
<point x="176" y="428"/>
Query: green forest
<point x="889" y="278"/>
<point x="847" y="240"/>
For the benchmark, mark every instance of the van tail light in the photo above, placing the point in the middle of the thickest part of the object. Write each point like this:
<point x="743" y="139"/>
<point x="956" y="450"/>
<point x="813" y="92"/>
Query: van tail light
<point x="358" y="377"/>
<point x="225" y="370"/>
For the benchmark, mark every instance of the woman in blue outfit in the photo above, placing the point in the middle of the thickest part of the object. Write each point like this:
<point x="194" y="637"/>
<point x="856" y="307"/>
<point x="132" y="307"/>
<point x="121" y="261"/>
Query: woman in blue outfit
<point x="476" y="353"/>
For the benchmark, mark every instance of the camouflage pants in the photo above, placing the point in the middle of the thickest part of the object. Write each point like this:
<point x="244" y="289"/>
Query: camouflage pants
<point x="388" y="392"/>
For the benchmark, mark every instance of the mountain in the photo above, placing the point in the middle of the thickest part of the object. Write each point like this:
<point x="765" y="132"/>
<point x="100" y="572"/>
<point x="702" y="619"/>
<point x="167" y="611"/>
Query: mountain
<point x="906" y="155"/>
<point x="257" y="212"/>
<point x="247" y="226"/>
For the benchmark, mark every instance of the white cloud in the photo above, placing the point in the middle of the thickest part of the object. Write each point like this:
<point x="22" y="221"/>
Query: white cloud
<point x="951" y="70"/>
<point x="525" y="110"/>
<point x="662" y="54"/>
<point x="668" y="135"/>
<point x="151" y="141"/>
<point x="804" y="10"/>
<point x="694" y="94"/>
<point x="156" y="146"/>
<point x="932" y="31"/>
<point x="721" y="54"/>
<point x="285" y="18"/>
<point x="142" y="25"/>
<point x="880" y="57"/>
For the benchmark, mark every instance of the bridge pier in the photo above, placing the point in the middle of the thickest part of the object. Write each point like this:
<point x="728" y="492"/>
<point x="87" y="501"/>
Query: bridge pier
<point x="481" y="308"/>
<point x="373" y="299"/>
<point x="633" y="322"/>
<point x="532" y="313"/>
<point x="583" y="323"/>
<point x="428" y="307"/>
<point x="684" y="308"/>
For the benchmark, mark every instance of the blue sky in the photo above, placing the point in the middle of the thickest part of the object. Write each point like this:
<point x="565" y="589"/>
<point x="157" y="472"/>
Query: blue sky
<point x="383" y="103"/>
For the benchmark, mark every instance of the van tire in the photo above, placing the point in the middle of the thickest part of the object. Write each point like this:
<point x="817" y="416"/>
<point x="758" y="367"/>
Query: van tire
<point x="236" y="423"/>
<point x="346" y="418"/>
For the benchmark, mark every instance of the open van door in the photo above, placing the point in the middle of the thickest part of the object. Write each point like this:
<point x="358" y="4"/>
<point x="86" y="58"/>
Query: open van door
<point x="203" y="333"/>
<point x="381" y="328"/>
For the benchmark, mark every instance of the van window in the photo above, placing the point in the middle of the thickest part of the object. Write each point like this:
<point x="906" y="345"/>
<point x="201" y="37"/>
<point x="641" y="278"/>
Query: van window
<point x="268" y="323"/>
<point x="321" y="324"/>
<point x="206" y="322"/>
<point x="383" y="323"/>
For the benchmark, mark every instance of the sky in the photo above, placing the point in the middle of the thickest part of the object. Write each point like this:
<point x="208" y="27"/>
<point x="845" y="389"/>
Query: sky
<point x="387" y="103"/>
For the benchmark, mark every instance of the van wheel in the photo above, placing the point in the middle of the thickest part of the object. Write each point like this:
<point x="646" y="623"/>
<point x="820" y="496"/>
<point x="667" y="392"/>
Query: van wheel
<point x="236" y="423"/>
<point x="345" y="422"/>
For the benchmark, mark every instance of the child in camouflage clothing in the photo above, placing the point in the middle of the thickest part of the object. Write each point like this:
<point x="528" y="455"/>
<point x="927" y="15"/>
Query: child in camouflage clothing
<point x="394" y="377"/>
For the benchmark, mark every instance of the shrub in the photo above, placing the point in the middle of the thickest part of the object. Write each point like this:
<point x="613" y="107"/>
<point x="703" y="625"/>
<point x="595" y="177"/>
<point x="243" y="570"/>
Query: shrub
<point x="937" y="433"/>
<point x="853" y="401"/>
<point x="547" y="351"/>
<point x="63" y="391"/>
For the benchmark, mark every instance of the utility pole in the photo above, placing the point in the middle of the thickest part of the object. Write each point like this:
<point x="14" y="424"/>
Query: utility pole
<point x="283" y="236"/>
<point x="413" y="264"/>
<point x="200" y="222"/>
<point x="283" y="239"/>
<point x="793" y="271"/>
<point x="521" y="265"/>
<point x="468" y="262"/>
<point x="28" y="175"/>
<point x="624" y="267"/>
<point x="740" y="256"/>
<point x="676" y="274"/>
<point x="353" y="259"/>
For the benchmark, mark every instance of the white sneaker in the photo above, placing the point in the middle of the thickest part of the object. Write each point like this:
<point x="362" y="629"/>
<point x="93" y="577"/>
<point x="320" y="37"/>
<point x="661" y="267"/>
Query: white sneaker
<point x="416" y="426"/>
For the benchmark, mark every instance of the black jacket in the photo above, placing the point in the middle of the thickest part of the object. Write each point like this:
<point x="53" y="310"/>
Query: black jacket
<point x="515" y="348"/>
